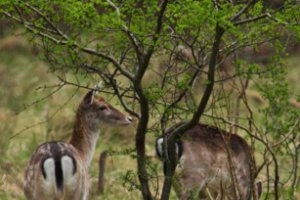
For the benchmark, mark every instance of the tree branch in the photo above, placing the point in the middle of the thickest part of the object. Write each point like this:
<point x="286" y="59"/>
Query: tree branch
<point x="110" y="59"/>
<point x="176" y="132"/>
<point x="120" y="97"/>
<point x="243" y="10"/>
<point x="144" y="106"/>
<point x="147" y="56"/>
<point x="57" y="30"/>
<point x="66" y="41"/>
<point x="179" y="98"/>
<point x="134" y="40"/>
<point x="253" y="19"/>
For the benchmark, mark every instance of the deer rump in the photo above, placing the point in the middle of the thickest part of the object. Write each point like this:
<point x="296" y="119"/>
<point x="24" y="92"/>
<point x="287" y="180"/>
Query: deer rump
<point x="209" y="159"/>
<point x="56" y="173"/>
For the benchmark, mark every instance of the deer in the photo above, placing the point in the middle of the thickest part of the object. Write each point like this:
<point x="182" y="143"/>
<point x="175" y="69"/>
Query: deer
<point x="59" y="170"/>
<point x="209" y="159"/>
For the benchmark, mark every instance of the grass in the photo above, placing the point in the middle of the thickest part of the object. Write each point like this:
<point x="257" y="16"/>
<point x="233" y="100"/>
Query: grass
<point x="27" y="122"/>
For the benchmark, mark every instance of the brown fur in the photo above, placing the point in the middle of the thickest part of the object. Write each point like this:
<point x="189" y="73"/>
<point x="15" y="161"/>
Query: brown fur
<point x="91" y="114"/>
<point x="204" y="165"/>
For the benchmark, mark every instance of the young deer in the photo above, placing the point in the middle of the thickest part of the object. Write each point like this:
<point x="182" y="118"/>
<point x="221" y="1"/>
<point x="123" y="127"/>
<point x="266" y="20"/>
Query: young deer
<point x="58" y="170"/>
<point x="207" y="158"/>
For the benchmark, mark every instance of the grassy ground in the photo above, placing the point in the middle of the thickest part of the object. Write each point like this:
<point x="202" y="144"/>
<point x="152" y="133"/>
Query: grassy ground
<point x="27" y="120"/>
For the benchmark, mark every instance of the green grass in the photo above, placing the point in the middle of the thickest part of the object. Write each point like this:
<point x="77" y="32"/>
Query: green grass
<point x="21" y="73"/>
<point x="22" y="116"/>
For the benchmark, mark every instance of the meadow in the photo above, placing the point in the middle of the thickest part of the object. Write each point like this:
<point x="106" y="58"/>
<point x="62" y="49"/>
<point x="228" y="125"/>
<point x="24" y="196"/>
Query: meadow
<point x="34" y="109"/>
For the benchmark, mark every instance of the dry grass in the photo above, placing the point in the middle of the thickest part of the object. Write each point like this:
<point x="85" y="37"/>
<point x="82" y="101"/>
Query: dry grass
<point x="20" y="74"/>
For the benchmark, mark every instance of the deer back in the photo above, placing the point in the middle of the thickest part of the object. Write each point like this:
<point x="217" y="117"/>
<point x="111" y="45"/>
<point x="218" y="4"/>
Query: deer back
<point x="212" y="158"/>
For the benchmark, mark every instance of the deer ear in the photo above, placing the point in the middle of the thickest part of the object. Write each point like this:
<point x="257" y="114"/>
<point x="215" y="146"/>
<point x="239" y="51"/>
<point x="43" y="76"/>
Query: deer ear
<point x="88" y="98"/>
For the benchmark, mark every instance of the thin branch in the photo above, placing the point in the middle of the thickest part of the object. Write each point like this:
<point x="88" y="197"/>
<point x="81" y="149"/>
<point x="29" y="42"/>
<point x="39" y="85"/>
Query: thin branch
<point x="46" y="19"/>
<point x="243" y="10"/>
<point x="249" y="20"/>
<point x="287" y="135"/>
<point x="110" y="59"/>
<point x="210" y="76"/>
<point x="169" y="142"/>
<point x="144" y="107"/>
<point x="121" y="99"/>
<point x="179" y="98"/>
<point x="159" y="24"/>
<point x="134" y="40"/>
<point x="57" y="86"/>
<point x="253" y="19"/>
<point x="67" y="42"/>
<point x="44" y="121"/>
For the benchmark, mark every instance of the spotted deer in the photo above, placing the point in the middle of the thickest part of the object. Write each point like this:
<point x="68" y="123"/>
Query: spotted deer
<point x="207" y="157"/>
<point x="58" y="170"/>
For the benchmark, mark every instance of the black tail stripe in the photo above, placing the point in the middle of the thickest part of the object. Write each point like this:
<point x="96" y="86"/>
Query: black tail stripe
<point x="58" y="173"/>
<point x="43" y="169"/>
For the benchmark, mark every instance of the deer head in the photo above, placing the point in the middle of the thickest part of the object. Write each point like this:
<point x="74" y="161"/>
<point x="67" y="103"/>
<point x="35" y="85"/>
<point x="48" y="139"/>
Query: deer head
<point x="97" y="112"/>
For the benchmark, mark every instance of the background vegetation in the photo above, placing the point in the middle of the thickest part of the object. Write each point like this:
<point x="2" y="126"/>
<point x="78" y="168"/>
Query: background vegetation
<point x="159" y="61"/>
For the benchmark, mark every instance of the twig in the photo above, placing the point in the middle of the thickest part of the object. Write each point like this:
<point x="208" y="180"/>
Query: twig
<point x="44" y="121"/>
<point x="243" y="10"/>
<point x="253" y="19"/>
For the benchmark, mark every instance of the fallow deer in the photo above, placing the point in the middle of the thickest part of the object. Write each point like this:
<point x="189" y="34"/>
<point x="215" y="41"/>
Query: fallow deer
<point x="207" y="157"/>
<point x="58" y="170"/>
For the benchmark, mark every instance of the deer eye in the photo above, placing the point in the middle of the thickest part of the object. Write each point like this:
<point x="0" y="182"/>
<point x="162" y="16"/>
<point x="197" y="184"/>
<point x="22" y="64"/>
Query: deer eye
<point x="102" y="108"/>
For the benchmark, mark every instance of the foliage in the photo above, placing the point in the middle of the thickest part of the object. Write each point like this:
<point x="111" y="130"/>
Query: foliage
<point x="162" y="60"/>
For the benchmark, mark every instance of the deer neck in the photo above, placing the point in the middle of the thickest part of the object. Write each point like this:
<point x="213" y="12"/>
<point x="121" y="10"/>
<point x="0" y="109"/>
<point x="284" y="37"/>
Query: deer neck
<point x="84" y="138"/>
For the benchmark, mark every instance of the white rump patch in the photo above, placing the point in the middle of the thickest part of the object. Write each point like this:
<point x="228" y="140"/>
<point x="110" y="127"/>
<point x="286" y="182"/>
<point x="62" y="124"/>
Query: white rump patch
<point x="50" y="181"/>
<point x="68" y="167"/>
<point x="159" y="147"/>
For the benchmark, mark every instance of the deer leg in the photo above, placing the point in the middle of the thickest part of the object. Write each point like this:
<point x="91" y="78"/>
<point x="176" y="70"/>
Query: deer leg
<point x="192" y="190"/>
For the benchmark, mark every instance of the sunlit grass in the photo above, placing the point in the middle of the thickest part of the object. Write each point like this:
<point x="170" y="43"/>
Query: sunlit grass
<point x="26" y="122"/>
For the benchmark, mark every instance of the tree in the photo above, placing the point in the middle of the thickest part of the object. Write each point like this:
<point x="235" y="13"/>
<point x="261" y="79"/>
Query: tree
<point x="181" y="45"/>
